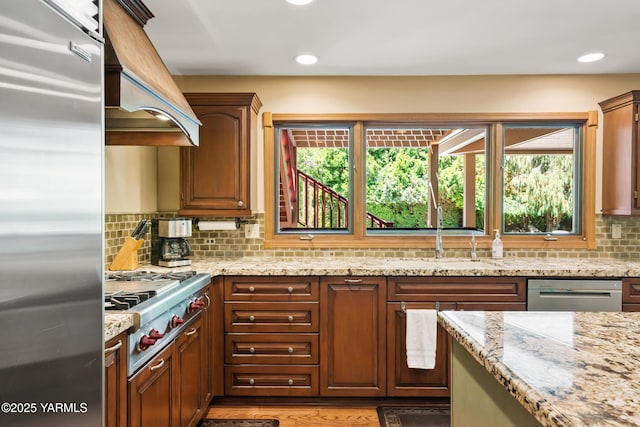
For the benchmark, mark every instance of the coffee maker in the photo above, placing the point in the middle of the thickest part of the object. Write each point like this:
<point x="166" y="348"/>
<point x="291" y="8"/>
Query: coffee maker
<point x="169" y="248"/>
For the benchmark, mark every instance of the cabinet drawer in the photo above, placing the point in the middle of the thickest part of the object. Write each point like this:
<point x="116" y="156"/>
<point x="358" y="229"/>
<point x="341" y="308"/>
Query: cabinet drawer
<point x="494" y="289"/>
<point x="297" y="317"/>
<point x="271" y="380"/>
<point x="631" y="291"/>
<point x="492" y="306"/>
<point x="249" y="288"/>
<point x="271" y="349"/>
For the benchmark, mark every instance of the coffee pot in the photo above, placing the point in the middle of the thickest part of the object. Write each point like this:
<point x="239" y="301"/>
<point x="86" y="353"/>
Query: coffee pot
<point x="169" y="248"/>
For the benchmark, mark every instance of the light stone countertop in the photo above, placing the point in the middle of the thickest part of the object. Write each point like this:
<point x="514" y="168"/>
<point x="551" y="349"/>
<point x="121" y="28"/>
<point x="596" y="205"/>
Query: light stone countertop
<point x="565" y="368"/>
<point x="375" y="266"/>
<point x="367" y="266"/>
<point x="115" y="323"/>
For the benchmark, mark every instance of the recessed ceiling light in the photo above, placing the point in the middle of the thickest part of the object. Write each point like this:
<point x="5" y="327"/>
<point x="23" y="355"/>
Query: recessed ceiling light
<point x="591" y="57"/>
<point x="306" y="59"/>
<point x="299" y="2"/>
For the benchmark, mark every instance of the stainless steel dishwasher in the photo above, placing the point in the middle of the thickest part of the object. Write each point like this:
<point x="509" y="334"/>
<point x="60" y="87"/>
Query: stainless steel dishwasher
<point x="574" y="295"/>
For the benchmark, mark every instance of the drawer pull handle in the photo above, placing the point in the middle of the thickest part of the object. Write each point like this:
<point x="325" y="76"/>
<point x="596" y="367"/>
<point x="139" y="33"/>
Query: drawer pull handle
<point x="252" y="318"/>
<point x="158" y="366"/>
<point x="252" y="350"/>
<point x="191" y="332"/>
<point x="252" y="289"/>
<point x="252" y="381"/>
<point x="290" y="381"/>
<point x="290" y="289"/>
<point x="290" y="318"/>
<point x="290" y="350"/>
<point x="114" y="347"/>
<point x="352" y="280"/>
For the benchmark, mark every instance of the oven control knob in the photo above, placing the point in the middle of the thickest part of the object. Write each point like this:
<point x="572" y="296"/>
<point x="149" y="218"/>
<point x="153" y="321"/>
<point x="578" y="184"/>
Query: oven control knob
<point x="175" y="321"/>
<point x="154" y="334"/>
<point x="145" y="342"/>
<point x="195" y="305"/>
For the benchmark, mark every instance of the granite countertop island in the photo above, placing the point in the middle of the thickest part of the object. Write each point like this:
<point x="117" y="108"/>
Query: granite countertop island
<point x="564" y="368"/>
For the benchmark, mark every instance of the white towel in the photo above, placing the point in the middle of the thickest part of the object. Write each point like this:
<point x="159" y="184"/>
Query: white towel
<point x="421" y="338"/>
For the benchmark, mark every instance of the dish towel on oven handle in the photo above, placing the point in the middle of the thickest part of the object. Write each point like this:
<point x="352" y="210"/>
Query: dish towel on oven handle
<point x="421" y="338"/>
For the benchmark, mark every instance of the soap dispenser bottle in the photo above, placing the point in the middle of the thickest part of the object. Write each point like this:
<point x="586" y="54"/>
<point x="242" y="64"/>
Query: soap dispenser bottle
<point x="496" y="247"/>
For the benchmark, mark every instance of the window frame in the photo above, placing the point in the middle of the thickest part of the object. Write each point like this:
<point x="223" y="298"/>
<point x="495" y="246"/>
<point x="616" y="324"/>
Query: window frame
<point x="359" y="238"/>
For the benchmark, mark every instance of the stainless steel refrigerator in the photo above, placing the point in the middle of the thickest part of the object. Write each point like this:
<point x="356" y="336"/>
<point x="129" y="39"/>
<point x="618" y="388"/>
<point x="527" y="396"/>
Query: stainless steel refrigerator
<point x="51" y="213"/>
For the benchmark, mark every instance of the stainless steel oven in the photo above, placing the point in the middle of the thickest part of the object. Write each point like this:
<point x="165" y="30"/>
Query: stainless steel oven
<point x="574" y="295"/>
<point x="163" y="305"/>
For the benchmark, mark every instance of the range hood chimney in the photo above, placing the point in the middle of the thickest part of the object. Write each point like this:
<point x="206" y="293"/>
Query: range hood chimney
<point x="143" y="103"/>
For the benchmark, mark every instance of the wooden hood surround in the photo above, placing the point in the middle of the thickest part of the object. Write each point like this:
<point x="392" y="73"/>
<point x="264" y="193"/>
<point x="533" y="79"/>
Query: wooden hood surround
<point x="138" y="86"/>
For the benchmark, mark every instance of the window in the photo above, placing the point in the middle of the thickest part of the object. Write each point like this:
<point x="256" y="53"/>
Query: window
<point x="314" y="178"/>
<point x="410" y="171"/>
<point x="378" y="180"/>
<point x="540" y="179"/>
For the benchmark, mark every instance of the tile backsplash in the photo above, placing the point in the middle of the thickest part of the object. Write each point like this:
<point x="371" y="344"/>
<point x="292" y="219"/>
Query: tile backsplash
<point x="234" y="244"/>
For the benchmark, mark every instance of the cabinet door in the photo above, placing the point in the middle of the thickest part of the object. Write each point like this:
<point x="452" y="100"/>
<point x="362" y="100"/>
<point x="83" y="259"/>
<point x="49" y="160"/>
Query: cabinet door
<point x="153" y="393"/>
<point x="191" y="364"/>
<point x="352" y="336"/>
<point x="216" y="177"/>
<point x="620" y="154"/>
<point x="631" y="294"/>
<point x="115" y="381"/>
<point x="216" y="174"/>
<point x="405" y="381"/>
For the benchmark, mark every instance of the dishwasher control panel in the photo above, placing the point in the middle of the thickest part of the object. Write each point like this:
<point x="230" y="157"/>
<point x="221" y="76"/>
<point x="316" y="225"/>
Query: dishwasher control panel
<point x="574" y="295"/>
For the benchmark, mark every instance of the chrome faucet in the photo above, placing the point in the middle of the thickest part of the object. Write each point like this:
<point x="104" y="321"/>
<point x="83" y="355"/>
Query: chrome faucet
<point x="439" y="247"/>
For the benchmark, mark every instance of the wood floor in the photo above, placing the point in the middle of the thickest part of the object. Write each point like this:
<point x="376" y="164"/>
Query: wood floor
<point x="296" y="416"/>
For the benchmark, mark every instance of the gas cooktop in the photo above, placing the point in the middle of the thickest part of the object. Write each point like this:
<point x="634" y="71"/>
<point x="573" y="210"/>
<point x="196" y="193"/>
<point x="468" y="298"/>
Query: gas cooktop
<point x="126" y="289"/>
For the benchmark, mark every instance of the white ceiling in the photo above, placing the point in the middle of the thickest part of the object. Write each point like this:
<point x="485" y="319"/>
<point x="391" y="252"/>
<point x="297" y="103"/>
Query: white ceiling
<point x="396" y="37"/>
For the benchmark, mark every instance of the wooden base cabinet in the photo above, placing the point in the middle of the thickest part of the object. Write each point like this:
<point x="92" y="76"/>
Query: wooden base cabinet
<point x="405" y="381"/>
<point x="115" y="381"/>
<point x="154" y="393"/>
<point x="343" y="336"/>
<point x="352" y="336"/>
<point x="271" y="336"/>
<point x="631" y="294"/>
<point x="170" y="390"/>
<point x="443" y="293"/>
<point x="191" y="358"/>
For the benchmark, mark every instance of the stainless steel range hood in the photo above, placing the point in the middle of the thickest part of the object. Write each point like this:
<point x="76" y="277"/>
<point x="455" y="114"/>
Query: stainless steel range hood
<point x="143" y="104"/>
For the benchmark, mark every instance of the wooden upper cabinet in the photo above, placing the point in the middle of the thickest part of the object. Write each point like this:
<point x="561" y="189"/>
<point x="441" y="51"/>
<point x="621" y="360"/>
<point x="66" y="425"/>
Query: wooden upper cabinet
<point x="218" y="177"/>
<point x="620" y="176"/>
